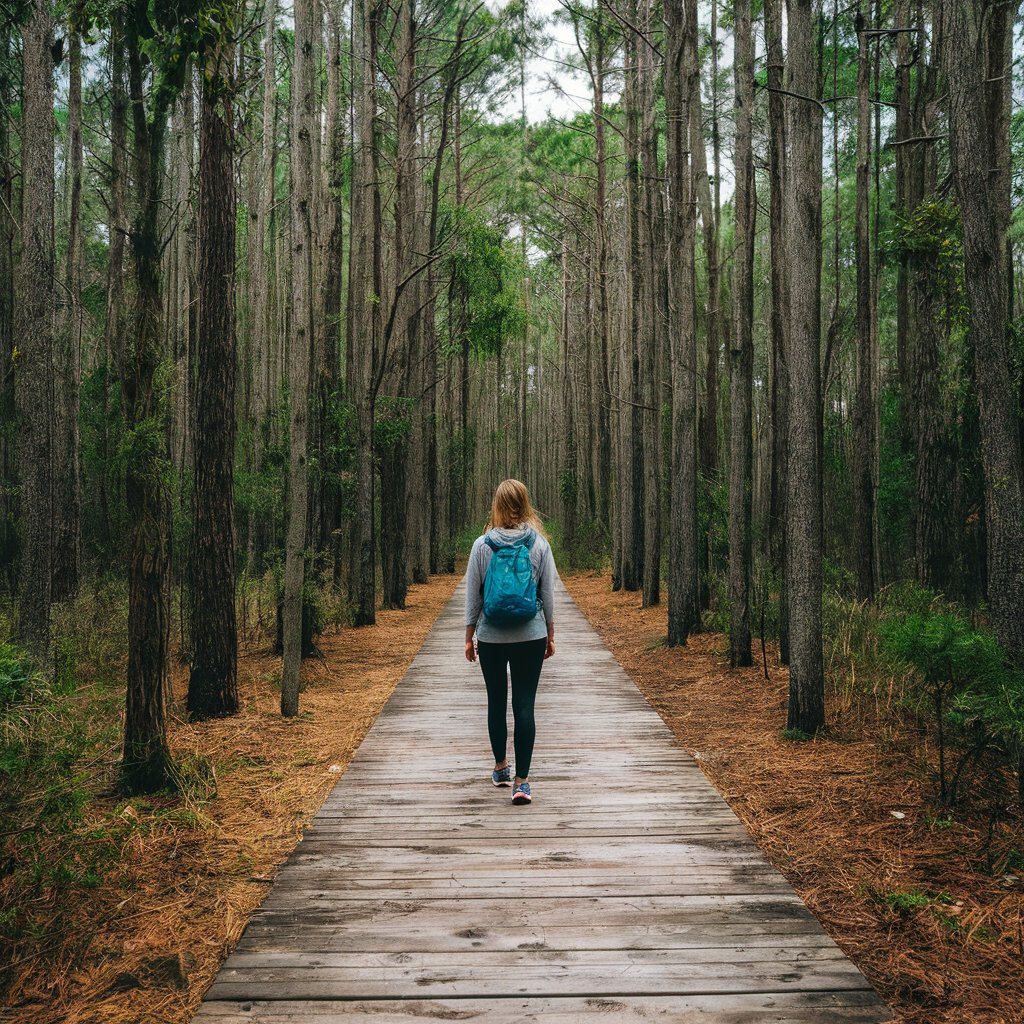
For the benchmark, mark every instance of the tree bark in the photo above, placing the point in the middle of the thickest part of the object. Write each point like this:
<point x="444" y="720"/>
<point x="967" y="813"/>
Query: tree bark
<point x="918" y="308"/>
<point x="977" y="62"/>
<point x="212" y="685"/>
<point x="146" y="761"/>
<point x="34" y="332"/>
<point x="653" y="315"/>
<point x="681" y="78"/>
<point x="305" y="110"/>
<point x="741" y="355"/>
<point x="328" y="385"/>
<point x="709" y="214"/>
<point x="260" y="326"/>
<point x="804" y="475"/>
<point x="366" y="298"/>
<point x="397" y="443"/>
<point x="67" y="362"/>
<point x="601" y="241"/>
<point x="632" y="453"/>
<point x="779" y="317"/>
<point x="865" y="415"/>
<point x="8" y="232"/>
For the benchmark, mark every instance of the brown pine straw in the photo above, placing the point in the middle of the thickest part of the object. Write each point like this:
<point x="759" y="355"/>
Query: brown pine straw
<point x="822" y="812"/>
<point x="152" y="940"/>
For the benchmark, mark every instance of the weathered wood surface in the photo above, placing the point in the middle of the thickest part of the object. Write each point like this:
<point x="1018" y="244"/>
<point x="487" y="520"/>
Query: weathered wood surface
<point x="628" y="890"/>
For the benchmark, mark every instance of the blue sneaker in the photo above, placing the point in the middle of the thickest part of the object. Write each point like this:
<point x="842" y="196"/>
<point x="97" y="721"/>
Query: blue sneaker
<point x="521" y="793"/>
<point x="502" y="776"/>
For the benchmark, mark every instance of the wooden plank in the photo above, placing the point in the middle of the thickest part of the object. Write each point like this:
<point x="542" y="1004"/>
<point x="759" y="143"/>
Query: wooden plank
<point x="554" y="979"/>
<point x="856" y="1007"/>
<point x="535" y="955"/>
<point x="701" y="910"/>
<point x="281" y="935"/>
<point x="628" y="888"/>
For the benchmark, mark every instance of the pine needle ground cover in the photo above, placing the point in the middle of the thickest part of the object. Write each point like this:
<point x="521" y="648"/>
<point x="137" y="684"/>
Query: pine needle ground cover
<point x="121" y="910"/>
<point x="926" y="899"/>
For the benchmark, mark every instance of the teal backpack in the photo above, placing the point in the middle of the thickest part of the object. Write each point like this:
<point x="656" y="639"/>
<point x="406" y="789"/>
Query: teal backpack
<point x="510" y="591"/>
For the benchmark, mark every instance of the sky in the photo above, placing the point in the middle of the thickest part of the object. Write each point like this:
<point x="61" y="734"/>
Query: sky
<point x="569" y="93"/>
<point x="544" y="98"/>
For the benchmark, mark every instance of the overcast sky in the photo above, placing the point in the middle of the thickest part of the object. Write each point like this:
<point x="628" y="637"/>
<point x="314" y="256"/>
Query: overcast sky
<point x="552" y="89"/>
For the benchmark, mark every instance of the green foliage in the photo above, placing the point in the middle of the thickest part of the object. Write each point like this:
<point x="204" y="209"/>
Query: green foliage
<point x="906" y="902"/>
<point x="392" y="423"/>
<point x="260" y="490"/>
<point x="102" y="436"/>
<point x="931" y="236"/>
<point x="486" y="302"/>
<point x="589" y="548"/>
<point x="334" y="469"/>
<point x="16" y="675"/>
<point x="796" y="735"/>
<point x="52" y="849"/>
<point x="944" y="649"/>
<point x="964" y="676"/>
<point x="895" y="484"/>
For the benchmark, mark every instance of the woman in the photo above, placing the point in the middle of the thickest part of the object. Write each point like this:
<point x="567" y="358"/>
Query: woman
<point x="511" y="611"/>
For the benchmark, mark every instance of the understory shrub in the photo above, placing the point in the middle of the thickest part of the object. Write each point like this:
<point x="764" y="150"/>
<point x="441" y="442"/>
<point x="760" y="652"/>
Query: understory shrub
<point x="53" y="849"/>
<point x="975" y="697"/>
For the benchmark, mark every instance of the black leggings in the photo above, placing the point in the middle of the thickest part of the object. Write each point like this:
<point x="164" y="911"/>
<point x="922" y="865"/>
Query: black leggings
<point x="524" y="661"/>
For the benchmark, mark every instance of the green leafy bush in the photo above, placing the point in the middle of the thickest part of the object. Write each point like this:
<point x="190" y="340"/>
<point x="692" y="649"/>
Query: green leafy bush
<point x="964" y="676"/>
<point x="16" y="675"/>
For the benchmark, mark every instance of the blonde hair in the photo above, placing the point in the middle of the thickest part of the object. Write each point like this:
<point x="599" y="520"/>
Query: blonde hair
<point x="511" y="508"/>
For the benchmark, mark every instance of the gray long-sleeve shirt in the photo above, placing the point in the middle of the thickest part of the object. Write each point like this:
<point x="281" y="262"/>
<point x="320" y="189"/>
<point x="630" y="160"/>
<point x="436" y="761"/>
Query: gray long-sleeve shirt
<point x="543" y="565"/>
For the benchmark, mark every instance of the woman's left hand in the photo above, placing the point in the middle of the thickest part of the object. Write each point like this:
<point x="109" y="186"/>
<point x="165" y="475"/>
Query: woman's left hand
<point x="549" y="651"/>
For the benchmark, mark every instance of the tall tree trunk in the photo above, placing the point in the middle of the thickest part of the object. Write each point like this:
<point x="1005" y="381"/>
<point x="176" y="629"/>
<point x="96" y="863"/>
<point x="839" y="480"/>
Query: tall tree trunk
<point x="681" y="78"/>
<point x="34" y="331"/>
<point x="632" y="454"/>
<point x="709" y="214"/>
<point x="67" y="361"/>
<point x="146" y="761"/>
<point x="865" y="415"/>
<point x="804" y="475"/>
<point x="400" y="337"/>
<point x="917" y="306"/>
<point x="262" y="335"/>
<point x="366" y="292"/>
<point x="305" y="110"/>
<point x="329" y="383"/>
<point x="8" y="231"/>
<point x="652" y="314"/>
<point x="419" y="510"/>
<point x="182" y="284"/>
<point x="741" y="355"/>
<point x="569" y="461"/>
<point x="604" y="388"/>
<point x="779" y="309"/>
<point x="212" y="684"/>
<point x="978" y="65"/>
<point x="115" y="321"/>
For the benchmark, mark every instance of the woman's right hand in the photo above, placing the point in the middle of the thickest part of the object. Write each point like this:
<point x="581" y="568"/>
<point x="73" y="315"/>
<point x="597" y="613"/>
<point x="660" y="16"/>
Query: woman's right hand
<point x="470" y="651"/>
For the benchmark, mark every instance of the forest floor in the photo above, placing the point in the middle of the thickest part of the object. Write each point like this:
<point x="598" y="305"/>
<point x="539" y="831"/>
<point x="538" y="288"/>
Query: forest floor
<point x="194" y="869"/>
<point x="927" y="903"/>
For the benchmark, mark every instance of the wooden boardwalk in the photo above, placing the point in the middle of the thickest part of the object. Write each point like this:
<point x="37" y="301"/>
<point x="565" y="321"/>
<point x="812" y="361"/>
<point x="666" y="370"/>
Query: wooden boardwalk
<point x="628" y="891"/>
